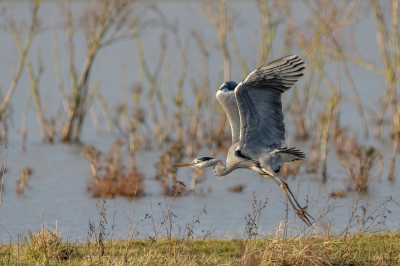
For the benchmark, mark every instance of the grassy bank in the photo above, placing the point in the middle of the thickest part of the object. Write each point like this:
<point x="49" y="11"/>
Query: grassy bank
<point x="363" y="249"/>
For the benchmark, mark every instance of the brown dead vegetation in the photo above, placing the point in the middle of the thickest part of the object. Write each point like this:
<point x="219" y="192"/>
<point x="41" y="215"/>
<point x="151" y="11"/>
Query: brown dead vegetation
<point x="237" y="188"/>
<point x="23" y="179"/>
<point x="359" y="162"/>
<point x="166" y="170"/>
<point x="109" y="177"/>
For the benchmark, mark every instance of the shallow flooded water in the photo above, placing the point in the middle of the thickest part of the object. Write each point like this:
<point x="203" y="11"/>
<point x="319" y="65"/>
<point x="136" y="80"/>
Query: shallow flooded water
<point x="58" y="184"/>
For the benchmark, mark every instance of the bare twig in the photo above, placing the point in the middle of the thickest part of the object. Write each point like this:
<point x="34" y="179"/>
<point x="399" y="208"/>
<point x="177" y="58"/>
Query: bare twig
<point x="5" y="147"/>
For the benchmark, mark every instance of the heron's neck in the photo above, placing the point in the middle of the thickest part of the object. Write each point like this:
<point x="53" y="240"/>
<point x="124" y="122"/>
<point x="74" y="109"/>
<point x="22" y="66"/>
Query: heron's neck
<point x="220" y="168"/>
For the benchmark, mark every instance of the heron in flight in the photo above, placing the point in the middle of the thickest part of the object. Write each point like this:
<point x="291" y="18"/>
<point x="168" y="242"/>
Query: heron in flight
<point x="254" y="111"/>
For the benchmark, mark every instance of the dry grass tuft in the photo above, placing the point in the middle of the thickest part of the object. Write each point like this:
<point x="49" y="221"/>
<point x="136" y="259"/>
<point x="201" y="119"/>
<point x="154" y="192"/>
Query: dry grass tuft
<point x="109" y="177"/>
<point x="293" y="252"/>
<point x="44" y="245"/>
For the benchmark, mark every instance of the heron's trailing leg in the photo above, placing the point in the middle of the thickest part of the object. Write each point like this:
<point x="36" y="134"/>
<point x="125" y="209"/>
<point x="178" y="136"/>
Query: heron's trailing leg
<point x="288" y="189"/>
<point x="301" y="212"/>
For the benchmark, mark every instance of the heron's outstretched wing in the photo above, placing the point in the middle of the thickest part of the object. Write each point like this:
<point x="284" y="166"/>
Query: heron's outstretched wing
<point x="228" y="101"/>
<point x="259" y="101"/>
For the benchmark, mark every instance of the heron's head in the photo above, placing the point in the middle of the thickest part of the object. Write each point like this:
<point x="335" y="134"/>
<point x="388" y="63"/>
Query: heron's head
<point x="228" y="86"/>
<point x="201" y="162"/>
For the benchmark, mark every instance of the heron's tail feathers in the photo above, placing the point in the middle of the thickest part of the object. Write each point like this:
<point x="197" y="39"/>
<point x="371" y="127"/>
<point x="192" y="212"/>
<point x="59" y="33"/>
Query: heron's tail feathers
<point x="291" y="154"/>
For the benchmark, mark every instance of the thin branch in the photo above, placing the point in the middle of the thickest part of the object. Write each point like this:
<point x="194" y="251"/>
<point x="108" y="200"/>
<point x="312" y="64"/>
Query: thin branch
<point x="31" y="34"/>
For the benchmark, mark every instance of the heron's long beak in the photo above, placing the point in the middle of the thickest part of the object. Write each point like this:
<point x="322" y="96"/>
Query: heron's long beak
<point x="184" y="164"/>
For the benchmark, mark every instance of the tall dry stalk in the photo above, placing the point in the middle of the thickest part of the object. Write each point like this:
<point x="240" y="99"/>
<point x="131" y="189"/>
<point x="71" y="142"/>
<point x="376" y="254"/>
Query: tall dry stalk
<point x="388" y="43"/>
<point x="105" y="22"/>
<point x="34" y="80"/>
<point x="327" y="17"/>
<point x="5" y="147"/>
<point x="338" y="55"/>
<point x="179" y="78"/>
<point x="270" y="16"/>
<point x="139" y="119"/>
<point x="207" y="103"/>
<point x="159" y="125"/>
<point x="23" y="49"/>
<point x="217" y="13"/>
<point x="24" y="133"/>
<point x="387" y="37"/>
<point x="15" y="32"/>
<point x="131" y="129"/>
<point x="128" y="125"/>
<point x="123" y="107"/>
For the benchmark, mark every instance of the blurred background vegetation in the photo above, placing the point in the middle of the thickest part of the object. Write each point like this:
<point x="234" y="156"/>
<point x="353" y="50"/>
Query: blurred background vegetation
<point x="171" y="105"/>
<point x="142" y="76"/>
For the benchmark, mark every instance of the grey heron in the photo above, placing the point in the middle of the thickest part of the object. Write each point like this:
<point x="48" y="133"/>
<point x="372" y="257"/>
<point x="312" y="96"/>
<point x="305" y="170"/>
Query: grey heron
<point x="254" y="111"/>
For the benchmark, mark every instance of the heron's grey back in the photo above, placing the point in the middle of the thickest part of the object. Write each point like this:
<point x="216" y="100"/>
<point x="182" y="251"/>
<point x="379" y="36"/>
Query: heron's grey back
<point x="259" y="102"/>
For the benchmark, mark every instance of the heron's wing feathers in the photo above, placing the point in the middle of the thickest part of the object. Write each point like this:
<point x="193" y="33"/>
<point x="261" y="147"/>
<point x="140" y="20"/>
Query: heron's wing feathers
<point x="228" y="101"/>
<point x="259" y="102"/>
<point x="290" y="154"/>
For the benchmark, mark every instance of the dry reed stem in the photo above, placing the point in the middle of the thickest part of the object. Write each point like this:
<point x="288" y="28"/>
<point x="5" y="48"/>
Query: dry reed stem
<point x="389" y="63"/>
<point x="270" y="17"/>
<point x="223" y="24"/>
<point x="34" y="80"/>
<point x="31" y="33"/>
<point x="180" y="79"/>
<point x="24" y="133"/>
<point x="56" y="62"/>
<point x="105" y="18"/>
<point x="339" y="56"/>
<point x="104" y="107"/>
<point x="158" y="123"/>
<point x="92" y="108"/>
<point x="5" y="147"/>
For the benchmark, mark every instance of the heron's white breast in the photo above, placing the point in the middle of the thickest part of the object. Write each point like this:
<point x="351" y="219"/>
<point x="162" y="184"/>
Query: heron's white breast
<point x="257" y="169"/>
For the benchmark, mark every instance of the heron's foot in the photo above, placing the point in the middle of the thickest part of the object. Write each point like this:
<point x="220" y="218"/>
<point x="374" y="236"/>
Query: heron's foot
<point x="302" y="213"/>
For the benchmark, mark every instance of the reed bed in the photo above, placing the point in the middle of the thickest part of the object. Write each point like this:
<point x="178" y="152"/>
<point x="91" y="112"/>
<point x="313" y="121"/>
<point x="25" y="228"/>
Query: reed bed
<point x="313" y="107"/>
